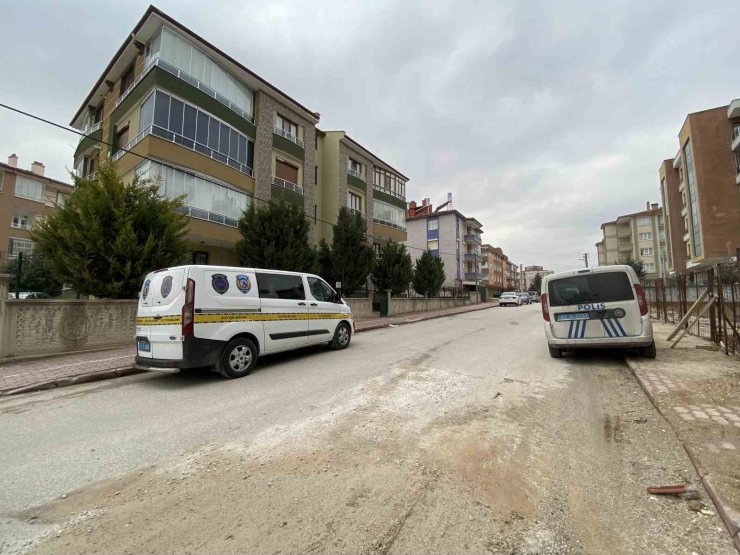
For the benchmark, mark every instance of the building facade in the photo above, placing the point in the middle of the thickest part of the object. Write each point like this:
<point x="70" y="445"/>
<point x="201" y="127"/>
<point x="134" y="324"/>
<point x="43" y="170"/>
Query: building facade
<point x="451" y="236"/>
<point x="512" y="276"/>
<point x="350" y="175"/>
<point x="208" y="127"/>
<point x="493" y="269"/>
<point x="26" y="196"/>
<point x="529" y="274"/>
<point x="640" y="236"/>
<point x="700" y="190"/>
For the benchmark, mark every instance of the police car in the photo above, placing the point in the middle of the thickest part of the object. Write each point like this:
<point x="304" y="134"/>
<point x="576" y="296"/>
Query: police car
<point x="601" y="307"/>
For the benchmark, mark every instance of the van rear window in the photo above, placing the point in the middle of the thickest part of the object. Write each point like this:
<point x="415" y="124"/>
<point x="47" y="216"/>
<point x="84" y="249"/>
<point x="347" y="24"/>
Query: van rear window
<point x="592" y="288"/>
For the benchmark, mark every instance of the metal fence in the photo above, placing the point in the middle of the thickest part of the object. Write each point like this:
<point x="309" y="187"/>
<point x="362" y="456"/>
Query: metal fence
<point x="717" y="313"/>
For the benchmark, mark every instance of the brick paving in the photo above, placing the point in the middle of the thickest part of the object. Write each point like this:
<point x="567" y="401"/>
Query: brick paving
<point x="696" y="390"/>
<point x="18" y="377"/>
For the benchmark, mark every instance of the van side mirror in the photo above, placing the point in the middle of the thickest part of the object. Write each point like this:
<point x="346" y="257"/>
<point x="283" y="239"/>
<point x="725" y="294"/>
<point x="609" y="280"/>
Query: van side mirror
<point x="337" y="297"/>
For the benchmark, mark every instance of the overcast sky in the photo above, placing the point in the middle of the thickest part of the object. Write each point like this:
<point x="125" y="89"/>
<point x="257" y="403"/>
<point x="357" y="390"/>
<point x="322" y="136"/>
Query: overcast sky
<point x="544" y="119"/>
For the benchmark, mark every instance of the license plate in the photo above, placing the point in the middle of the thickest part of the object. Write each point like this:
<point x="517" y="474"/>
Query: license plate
<point x="567" y="316"/>
<point x="144" y="346"/>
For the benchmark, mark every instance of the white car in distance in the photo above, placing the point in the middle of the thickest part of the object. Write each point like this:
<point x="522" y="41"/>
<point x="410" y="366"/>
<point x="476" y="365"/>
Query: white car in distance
<point x="510" y="298"/>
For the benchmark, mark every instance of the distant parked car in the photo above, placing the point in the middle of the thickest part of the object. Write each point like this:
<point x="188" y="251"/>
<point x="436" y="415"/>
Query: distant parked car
<point x="510" y="298"/>
<point x="524" y="296"/>
<point x="534" y="295"/>
<point x="30" y="295"/>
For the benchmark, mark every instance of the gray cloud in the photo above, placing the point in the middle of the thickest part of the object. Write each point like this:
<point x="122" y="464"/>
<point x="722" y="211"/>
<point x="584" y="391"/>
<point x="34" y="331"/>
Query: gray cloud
<point x="544" y="119"/>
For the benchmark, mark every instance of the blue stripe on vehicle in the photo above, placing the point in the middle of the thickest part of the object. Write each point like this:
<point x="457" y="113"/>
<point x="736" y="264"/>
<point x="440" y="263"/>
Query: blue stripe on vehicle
<point x="614" y="328"/>
<point x="606" y="328"/>
<point x="570" y="329"/>
<point x="624" y="333"/>
<point x="583" y="328"/>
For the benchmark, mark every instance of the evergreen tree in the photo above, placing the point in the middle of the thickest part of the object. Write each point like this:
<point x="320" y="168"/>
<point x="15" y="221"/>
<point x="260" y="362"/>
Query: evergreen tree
<point x="110" y="234"/>
<point x="536" y="283"/>
<point x="275" y="237"/>
<point x="36" y="275"/>
<point x="350" y="260"/>
<point x="429" y="274"/>
<point x="393" y="270"/>
<point x="637" y="266"/>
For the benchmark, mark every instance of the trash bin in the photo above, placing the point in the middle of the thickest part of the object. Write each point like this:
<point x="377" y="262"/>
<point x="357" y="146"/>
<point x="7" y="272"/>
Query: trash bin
<point x="384" y="302"/>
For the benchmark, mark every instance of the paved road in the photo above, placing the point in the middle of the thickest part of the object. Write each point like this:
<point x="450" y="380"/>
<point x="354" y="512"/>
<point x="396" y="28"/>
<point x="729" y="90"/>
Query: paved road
<point x="452" y="435"/>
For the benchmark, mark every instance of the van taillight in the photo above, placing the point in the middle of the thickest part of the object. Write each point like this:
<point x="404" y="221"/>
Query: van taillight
<point x="545" y="309"/>
<point x="188" y="311"/>
<point x="641" y="299"/>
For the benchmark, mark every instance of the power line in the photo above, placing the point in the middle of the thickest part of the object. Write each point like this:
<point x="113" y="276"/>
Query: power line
<point x="168" y="165"/>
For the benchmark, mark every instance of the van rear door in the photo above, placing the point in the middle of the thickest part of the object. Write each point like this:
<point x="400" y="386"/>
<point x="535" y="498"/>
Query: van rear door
<point x="159" y="318"/>
<point x="594" y="305"/>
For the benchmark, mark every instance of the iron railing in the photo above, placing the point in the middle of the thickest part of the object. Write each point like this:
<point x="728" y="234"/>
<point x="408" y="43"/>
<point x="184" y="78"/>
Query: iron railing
<point x="285" y="184"/>
<point x="356" y="173"/>
<point x="283" y="133"/>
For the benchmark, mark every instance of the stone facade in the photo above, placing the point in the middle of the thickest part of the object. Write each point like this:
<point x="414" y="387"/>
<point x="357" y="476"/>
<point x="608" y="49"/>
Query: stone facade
<point x="344" y="154"/>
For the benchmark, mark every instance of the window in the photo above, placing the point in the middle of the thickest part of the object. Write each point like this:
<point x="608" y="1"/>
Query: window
<point x="433" y="245"/>
<point x="389" y="214"/>
<point x="645" y="236"/>
<point x="644" y="220"/>
<point x="26" y="187"/>
<point x="602" y="287"/>
<point x="280" y="286"/>
<point x="661" y="235"/>
<point x="648" y="266"/>
<point x="178" y="121"/>
<point x="20" y="221"/>
<point x="2" y="178"/>
<point x="205" y="198"/>
<point x="200" y="257"/>
<point x="127" y="79"/>
<point x="60" y="199"/>
<point x="286" y="171"/>
<point x="354" y="202"/>
<point x="693" y="200"/>
<point x="389" y="183"/>
<point x="320" y="290"/>
<point x="121" y="138"/>
<point x="646" y="252"/>
<point x="180" y="53"/>
<point x="354" y="168"/>
<point x="287" y="126"/>
<point x="18" y="246"/>
<point x="432" y="224"/>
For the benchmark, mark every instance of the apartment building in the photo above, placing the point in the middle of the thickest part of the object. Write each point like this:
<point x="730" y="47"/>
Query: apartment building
<point x="350" y="175"/>
<point x="700" y="189"/>
<point x="25" y="197"/>
<point x="529" y="274"/>
<point x="512" y="276"/>
<point x="448" y="234"/>
<point x="213" y="129"/>
<point x="640" y="236"/>
<point x="494" y="269"/>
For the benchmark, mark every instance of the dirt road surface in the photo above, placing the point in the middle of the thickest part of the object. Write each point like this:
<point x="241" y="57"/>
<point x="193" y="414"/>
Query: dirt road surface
<point x="457" y="435"/>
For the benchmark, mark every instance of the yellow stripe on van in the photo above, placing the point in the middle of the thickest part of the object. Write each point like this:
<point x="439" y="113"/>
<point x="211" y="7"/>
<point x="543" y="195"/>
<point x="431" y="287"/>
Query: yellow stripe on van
<point x="227" y="317"/>
<point x="174" y="319"/>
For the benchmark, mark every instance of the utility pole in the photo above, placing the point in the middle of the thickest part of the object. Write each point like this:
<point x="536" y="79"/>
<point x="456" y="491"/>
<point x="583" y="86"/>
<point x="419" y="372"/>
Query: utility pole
<point x="585" y="258"/>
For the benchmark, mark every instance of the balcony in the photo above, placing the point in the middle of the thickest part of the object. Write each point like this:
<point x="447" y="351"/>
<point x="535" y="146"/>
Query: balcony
<point x="356" y="212"/>
<point x="733" y="110"/>
<point x="184" y="142"/>
<point x="200" y="214"/>
<point x="280" y="182"/>
<point x="472" y="256"/>
<point x="389" y="224"/>
<point x="90" y="130"/>
<point x="280" y="132"/>
<point x="625" y="246"/>
<point x="471" y="276"/>
<point x="188" y="79"/>
<point x="355" y="173"/>
<point x="472" y="238"/>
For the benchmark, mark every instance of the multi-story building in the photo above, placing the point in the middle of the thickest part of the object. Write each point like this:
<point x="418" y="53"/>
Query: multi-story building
<point x="449" y="235"/>
<point x="210" y="129"/>
<point x="636" y="237"/>
<point x="493" y="269"/>
<point x="350" y="175"/>
<point x="529" y="274"/>
<point x="25" y="197"/>
<point x="700" y="190"/>
<point x="512" y="276"/>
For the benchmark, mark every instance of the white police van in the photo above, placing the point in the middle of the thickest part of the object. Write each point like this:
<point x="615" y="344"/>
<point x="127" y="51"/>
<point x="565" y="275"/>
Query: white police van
<point x="226" y="318"/>
<point x="602" y="307"/>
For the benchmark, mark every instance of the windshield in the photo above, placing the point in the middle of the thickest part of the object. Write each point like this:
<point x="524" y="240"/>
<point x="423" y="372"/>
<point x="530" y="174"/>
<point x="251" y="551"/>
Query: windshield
<point x="601" y="287"/>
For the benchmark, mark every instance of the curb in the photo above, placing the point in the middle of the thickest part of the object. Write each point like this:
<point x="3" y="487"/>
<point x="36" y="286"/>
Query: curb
<point x="380" y="325"/>
<point x="729" y="516"/>
<point x="73" y="380"/>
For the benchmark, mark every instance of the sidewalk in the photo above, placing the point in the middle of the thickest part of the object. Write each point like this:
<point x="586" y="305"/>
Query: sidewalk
<point x="19" y="377"/>
<point x="698" y="392"/>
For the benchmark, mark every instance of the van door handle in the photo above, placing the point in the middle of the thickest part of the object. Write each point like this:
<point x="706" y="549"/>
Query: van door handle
<point x="314" y="304"/>
<point x="301" y="304"/>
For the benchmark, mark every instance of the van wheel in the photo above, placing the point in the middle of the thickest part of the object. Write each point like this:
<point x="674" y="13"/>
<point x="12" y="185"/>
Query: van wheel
<point x="238" y="358"/>
<point x="342" y="336"/>
<point x="555" y="352"/>
<point x="649" y="351"/>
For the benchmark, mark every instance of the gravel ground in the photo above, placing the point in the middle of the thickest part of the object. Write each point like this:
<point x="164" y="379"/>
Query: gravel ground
<point x="465" y="446"/>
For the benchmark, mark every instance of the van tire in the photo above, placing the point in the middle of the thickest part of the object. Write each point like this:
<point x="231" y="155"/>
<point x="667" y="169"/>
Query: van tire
<point x="649" y="351"/>
<point x="342" y="337"/>
<point x="555" y="352"/>
<point x="238" y="358"/>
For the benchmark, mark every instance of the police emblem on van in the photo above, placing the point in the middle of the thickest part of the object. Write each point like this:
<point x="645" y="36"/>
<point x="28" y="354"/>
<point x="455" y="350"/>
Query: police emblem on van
<point x="220" y="283"/>
<point x="145" y="291"/>
<point x="243" y="283"/>
<point x="166" y="287"/>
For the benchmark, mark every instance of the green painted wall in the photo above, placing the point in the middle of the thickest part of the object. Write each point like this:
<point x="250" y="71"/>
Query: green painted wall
<point x="288" y="146"/>
<point x="390" y="199"/>
<point x="88" y="142"/>
<point x="280" y="193"/>
<point x="356" y="182"/>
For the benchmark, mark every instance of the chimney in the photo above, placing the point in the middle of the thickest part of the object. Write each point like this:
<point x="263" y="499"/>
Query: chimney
<point x="647" y="205"/>
<point x="449" y="201"/>
<point x="38" y="168"/>
<point x="423" y="202"/>
<point x="412" y="205"/>
<point x="13" y="160"/>
<point x="654" y="206"/>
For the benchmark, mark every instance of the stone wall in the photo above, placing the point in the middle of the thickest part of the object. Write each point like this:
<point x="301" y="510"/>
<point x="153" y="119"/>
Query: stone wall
<point x="45" y="327"/>
<point x="361" y="308"/>
<point x="402" y="306"/>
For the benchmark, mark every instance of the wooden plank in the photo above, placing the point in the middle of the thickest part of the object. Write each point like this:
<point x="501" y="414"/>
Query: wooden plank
<point x="689" y="313"/>
<point x="701" y="313"/>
